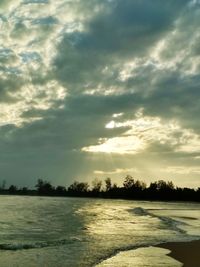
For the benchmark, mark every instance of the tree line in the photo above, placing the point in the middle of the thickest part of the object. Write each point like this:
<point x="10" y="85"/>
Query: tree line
<point x="131" y="189"/>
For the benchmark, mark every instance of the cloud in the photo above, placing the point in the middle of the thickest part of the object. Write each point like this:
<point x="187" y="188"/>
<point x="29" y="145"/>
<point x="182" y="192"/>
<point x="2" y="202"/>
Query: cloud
<point x="117" y="32"/>
<point x="35" y="2"/>
<point x="67" y="68"/>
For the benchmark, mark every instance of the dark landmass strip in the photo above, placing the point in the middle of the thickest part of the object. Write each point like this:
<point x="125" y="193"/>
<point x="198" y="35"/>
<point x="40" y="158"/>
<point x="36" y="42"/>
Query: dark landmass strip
<point x="131" y="189"/>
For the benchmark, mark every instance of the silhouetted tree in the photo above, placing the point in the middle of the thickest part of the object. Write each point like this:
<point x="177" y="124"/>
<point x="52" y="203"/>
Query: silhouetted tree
<point x="114" y="186"/>
<point x="44" y="187"/>
<point x="12" y="189"/>
<point x="24" y="190"/>
<point x="140" y="185"/>
<point x="60" y="190"/>
<point x="153" y="186"/>
<point x="128" y="182"/>
<point x="132" y="189"/>
<point x="96" y="185"/>
<point x="78" y="187"/>
<point x="108" y="184"/>
<point x="3" y="186"/>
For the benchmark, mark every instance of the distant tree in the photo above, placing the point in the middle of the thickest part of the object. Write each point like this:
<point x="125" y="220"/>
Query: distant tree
<point x="128" y="182"/>
<point x="24" y="190"/>
<point x="170" y="185"/>
<point x="60" y="190"/>
<point x="96" y="185"/>
<point x="44" y="187"/>
<point x="198" y="194"/>
<point x="78" y="187"/>
<point x="3" y="186"/>
<point x="12" y="189"/>
<point x="114" y="186"/>
<point x="163" y="185"/>
<point x="108" y="184"/>
<point x="153" y="186"/>
<point x="40" y="184"/>
<point x="139" y="185"/>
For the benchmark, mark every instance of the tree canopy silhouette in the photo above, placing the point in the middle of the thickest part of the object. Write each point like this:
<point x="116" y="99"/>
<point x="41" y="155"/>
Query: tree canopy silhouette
<point x="132" y="189"/>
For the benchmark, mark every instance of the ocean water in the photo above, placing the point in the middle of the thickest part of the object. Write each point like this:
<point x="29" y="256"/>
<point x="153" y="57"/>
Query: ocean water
<point x="75" y="232"/>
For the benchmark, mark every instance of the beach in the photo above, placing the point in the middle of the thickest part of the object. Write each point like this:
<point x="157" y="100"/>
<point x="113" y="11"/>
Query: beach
<point x="187" y="253"/>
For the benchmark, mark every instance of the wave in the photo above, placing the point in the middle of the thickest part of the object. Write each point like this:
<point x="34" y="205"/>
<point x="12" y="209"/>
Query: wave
<point x="134" y="247"/>
<point x="122" y="249"/>
<point x="36" y="245"/>
<point x="169" y="222"/>
<point x="140" y="211"/>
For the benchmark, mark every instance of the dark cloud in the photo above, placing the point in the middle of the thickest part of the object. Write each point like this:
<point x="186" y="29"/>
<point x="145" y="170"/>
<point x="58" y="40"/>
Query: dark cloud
<point x="127" y="29"/>
<point x="45" y="21"/>
<point x="35" y="2"/>
<point x="129" y="26"/>
<point x="9" y="84"/>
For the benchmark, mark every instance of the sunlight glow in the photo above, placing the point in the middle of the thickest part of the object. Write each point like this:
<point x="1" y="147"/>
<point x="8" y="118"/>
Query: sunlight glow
<point x="120" y="145"/>
<point x="110" y="125"/>
<point x="144" y="131"/>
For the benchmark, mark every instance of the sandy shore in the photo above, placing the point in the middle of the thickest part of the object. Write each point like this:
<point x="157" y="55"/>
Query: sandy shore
<point x="186" y="252"/>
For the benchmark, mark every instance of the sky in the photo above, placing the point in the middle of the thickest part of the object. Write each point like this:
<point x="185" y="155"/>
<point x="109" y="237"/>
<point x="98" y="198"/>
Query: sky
<point x="99" y="88"/>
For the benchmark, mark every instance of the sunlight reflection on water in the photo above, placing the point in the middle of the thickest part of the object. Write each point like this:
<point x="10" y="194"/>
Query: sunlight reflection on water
<point x="72" y="232"/>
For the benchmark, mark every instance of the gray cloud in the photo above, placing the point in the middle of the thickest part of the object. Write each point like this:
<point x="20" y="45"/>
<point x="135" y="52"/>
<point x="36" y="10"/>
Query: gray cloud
<point x="125" y="30"/>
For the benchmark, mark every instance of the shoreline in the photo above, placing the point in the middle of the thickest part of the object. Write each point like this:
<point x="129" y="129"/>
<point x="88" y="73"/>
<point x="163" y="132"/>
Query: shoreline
<point x="187" y="253"/>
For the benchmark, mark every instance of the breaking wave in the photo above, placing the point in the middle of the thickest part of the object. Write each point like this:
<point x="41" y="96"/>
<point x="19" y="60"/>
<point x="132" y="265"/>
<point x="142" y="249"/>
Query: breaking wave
<point x="23" y="246"/>
<point x="169" y="222"/>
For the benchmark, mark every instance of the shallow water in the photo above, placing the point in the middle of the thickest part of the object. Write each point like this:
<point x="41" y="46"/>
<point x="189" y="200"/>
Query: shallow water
<point x="55" y="232"/>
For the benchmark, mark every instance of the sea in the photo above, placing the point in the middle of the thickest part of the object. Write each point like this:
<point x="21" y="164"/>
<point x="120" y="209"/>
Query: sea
<point x="86" y="232"/>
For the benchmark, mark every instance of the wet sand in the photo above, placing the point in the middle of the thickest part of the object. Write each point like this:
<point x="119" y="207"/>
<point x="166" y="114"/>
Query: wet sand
<point x="187" y="253"/>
